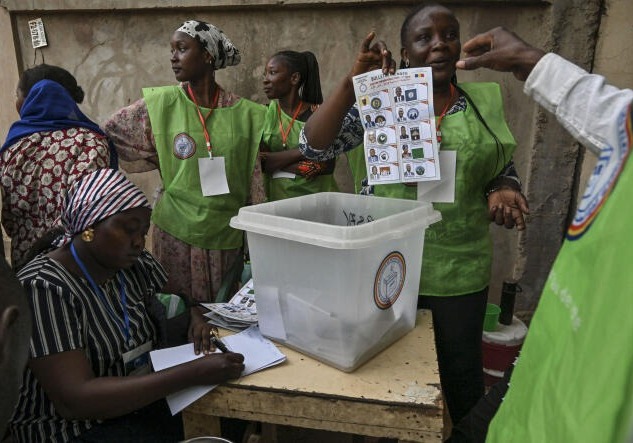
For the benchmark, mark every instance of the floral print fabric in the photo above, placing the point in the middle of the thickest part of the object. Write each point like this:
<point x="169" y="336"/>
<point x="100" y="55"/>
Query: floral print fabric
<point x="36" y="173"/>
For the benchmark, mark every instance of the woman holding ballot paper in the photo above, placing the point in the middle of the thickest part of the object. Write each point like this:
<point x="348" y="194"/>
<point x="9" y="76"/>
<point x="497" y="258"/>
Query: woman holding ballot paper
<point x="457" y="250"/>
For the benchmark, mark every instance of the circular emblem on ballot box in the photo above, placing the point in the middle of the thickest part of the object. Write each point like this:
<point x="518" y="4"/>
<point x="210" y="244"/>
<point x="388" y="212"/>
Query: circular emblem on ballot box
<point x="389" y="280"/>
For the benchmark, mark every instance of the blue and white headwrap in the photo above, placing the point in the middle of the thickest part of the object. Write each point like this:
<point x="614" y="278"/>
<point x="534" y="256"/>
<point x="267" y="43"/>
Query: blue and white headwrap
<point x="95" y="197"/>
<point x="214" y="41"/>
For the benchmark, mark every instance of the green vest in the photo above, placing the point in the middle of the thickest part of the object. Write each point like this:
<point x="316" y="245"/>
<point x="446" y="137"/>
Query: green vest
<point x="282" y="188"/>
<point x="573" y="381"/>
<point x="235" y="132"/>
<point x="458" y="249"/>
<point x="356" y="162"/>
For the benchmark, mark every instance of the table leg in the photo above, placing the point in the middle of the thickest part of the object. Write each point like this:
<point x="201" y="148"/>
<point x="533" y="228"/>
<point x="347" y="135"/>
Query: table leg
<point x="197" y="425"/>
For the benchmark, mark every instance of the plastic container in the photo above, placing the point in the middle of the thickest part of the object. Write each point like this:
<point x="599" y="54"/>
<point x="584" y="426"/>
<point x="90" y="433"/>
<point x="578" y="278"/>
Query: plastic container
<point x="207" y="440"/>
<point x="500" y="348"/>
<point x="491" y="320"/>
<point x="336" y="275"/>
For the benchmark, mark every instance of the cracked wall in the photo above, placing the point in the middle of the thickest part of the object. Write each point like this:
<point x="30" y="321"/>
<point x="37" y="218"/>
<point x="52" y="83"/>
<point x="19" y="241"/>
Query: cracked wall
<point x="115" y="51"/>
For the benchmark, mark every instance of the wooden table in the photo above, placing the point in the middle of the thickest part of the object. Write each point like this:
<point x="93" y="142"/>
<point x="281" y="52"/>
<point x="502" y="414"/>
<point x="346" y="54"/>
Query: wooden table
<point x="396" y="394"/>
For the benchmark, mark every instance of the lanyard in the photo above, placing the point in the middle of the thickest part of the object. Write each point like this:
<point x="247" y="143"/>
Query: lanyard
<point x="125" y="327"/>
<point x="444" y="111"/>
<point x="203" y="120"/>
<point x="284" y="134"/>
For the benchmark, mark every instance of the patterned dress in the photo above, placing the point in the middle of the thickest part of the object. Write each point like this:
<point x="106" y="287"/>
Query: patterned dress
<point x="36" y="173"/>
<point x="200" y="271"/>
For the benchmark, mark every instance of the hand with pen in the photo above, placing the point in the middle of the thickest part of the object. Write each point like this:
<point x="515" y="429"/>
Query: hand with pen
<point x="214" y="367"/>
<point x="215" y="339"/>
<point x="205" y="339"/>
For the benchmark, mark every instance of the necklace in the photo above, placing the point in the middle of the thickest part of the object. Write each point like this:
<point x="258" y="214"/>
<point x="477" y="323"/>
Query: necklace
<point x="203" y="120"/>
<point x="443" y="113"/>
<point x="285" y="133"/>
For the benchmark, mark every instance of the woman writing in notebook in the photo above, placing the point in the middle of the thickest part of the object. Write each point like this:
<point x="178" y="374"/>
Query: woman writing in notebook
<point x="88" y="376"/>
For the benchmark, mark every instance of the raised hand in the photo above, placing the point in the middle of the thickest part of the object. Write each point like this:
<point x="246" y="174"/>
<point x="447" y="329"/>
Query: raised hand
<point x="500" y="50"/>
<point x="373" y="56"/>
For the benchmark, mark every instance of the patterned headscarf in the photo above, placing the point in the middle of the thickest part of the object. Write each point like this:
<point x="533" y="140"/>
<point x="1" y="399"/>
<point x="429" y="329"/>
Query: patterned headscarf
<point x="214" y="41"/>
<point x="97" y="196"/>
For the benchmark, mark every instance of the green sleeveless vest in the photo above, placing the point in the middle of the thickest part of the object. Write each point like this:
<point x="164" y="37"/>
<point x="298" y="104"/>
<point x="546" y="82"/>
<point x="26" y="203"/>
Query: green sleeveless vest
<point x="458" y="249"/>
<point x="281" y="188"/>
<point x="573" y="381"/>
<point x="235" y="132"/>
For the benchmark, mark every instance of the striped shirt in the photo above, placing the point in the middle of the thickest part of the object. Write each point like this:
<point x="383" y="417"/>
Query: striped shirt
<point x="68" y="315"/>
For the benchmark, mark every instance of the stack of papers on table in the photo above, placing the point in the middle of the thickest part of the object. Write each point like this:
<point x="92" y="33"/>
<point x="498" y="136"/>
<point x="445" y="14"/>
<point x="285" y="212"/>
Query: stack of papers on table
<point x="239" y="313"/>
<point x="259" y="353"/>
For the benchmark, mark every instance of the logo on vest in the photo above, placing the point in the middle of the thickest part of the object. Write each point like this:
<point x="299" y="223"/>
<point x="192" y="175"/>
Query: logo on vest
<point x="603" y="179"/>
<point x="389" y="280"/>
<point x="184" y="146"/>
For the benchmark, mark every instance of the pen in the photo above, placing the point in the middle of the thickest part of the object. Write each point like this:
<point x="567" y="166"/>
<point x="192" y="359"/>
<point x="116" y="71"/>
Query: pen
<point x="218" y="343"/>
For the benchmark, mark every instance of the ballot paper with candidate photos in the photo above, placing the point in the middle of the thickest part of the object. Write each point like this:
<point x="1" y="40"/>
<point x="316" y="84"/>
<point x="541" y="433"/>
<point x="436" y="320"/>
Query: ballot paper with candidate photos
<point x="239" y="313"/>
<point x="400" y="136"/>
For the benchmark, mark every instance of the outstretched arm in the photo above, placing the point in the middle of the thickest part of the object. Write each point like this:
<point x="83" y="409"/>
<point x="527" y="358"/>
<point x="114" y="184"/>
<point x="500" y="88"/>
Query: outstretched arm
<point x="583" y="103"/>
<point x="130" y="131"/>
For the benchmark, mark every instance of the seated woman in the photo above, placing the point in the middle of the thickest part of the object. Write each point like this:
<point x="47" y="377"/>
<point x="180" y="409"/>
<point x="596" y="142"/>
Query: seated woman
<point x="88" y="376"/>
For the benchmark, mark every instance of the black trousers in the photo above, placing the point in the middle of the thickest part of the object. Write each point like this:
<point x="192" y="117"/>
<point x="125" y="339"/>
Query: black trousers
<point x="153" y="423"/>
<point x="458" y="325"/>
<point x="473" y="428"/>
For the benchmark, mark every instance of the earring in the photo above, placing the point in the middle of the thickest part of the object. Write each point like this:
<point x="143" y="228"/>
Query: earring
<point x="406" y="63"/>
<point x="88" y="235"/>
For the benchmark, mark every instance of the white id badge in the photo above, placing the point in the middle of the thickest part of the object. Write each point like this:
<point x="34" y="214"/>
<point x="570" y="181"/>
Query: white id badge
<point x="213" y="176"/>
<point x="441" y="191"/>
<point x="136" y="361"/>
<point x="283" y="174"/>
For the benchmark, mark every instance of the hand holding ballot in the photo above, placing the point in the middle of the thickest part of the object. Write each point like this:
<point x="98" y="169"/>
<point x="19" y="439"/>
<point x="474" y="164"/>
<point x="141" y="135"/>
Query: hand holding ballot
<point x="396" y="151"/>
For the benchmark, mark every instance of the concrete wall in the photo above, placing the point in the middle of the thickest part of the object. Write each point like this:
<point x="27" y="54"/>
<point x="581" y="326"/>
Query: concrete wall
<point x="8" y="82"/>
<point x="115" y="48"/>
<point x="613" y="58"/>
